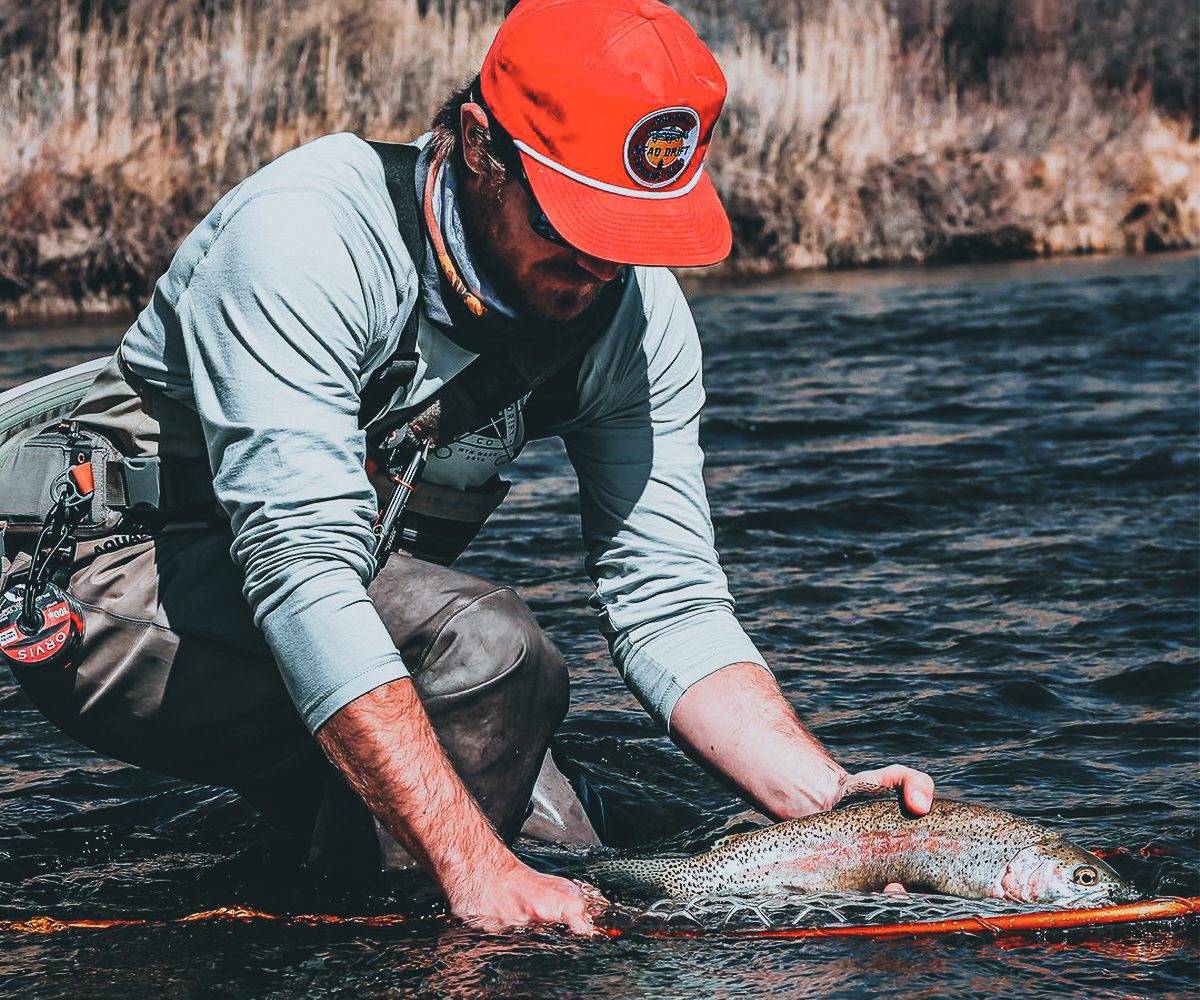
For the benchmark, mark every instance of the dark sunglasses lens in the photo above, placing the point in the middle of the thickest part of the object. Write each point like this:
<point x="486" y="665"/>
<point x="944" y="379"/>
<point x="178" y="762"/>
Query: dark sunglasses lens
<point x="541" y="225"/>
<point x="538" y="220"/>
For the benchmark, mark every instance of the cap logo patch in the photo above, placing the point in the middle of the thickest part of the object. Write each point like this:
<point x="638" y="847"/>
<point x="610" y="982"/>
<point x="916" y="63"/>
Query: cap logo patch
<point x="659" y="147"/>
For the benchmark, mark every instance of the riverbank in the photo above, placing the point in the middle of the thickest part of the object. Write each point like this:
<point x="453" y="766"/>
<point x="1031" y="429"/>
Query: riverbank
<point x="844" y="143"/>
<point x="864" y="159"/>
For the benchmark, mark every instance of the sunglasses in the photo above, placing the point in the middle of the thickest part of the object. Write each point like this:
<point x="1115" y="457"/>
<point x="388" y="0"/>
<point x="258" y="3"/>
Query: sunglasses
<point x="538" y="221"/>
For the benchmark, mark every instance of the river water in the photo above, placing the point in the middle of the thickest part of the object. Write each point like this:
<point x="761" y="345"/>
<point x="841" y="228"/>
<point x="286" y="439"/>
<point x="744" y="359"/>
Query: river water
<point x="960" y="509"/>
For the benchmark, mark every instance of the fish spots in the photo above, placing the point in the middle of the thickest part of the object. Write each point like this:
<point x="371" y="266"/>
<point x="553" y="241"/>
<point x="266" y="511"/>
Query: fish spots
<point x="957" y="848"/>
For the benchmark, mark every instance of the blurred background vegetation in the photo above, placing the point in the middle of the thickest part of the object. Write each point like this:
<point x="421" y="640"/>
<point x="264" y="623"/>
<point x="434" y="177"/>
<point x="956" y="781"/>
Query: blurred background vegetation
<point x="856" y="132"/>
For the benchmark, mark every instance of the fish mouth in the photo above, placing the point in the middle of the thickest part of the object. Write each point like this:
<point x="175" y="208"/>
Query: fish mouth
<point x="1109" y="895"/>
<point x="1125" y="894"/>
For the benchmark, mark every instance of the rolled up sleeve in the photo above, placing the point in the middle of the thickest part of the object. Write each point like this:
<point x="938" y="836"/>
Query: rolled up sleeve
<point x="277" y="322"/>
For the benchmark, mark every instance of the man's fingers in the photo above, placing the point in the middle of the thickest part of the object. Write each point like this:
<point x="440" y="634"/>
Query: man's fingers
<point x="593" y="899"/>
<point x="918" y="793"/>
<point x="529" y="899"/>
<point x="580" y="923"/>
<point x="592" y="904"/>
<point x="915" y="787"/>
<point x="577" y="915"/>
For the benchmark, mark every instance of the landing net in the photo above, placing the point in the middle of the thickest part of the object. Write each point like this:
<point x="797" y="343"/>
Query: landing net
<point x="823" y="909"/>
<point x="844" y="914"/>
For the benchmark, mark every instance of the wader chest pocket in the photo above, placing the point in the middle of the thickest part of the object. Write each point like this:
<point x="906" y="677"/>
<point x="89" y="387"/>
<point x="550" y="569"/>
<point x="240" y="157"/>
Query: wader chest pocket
<point x="33" y="461"/>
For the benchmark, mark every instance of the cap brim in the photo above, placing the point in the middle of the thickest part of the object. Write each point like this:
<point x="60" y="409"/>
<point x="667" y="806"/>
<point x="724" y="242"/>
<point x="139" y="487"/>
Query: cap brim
<point x="688" y="231"/>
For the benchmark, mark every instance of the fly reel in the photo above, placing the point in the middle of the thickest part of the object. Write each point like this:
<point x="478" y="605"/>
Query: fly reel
<point x="41" y="625"/>
<point x="41" y="628"/>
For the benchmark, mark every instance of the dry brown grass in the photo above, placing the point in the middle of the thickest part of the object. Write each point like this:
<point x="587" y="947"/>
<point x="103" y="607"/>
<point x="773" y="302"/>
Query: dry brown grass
<point x="842" y="142"/>
<point x="115" y="138"/>
<point x="170" y="85"/>
<point x="840" y="147"/>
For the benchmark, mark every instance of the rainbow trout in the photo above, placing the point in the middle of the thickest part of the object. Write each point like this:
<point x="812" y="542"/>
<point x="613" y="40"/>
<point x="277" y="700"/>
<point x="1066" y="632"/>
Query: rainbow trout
<point x="958" y="849"/>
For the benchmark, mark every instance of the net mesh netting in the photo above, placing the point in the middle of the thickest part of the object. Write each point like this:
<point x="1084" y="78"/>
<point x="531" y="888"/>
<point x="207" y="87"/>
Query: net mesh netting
<point x="826" y="909"/>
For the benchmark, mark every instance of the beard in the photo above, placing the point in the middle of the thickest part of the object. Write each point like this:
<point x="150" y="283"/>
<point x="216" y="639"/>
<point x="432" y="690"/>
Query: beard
<point x="553" y="290"/>
<point x="566" y="294"/>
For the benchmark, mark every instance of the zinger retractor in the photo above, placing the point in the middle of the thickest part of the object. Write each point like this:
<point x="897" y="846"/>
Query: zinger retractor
<point x="41" y="625"/>
<point x="404" y="477"/>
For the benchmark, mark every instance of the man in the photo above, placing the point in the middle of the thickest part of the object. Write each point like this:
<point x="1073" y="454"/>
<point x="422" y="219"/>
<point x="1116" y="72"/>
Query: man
<point x="279" y="357"/>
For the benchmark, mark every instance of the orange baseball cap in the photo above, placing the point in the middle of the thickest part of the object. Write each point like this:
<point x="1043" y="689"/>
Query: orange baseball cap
<point x="611" y="104"/>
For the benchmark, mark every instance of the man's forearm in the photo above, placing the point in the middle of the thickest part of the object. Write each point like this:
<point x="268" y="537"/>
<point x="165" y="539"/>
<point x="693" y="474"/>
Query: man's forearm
<point x="386" y="747"/>
<point x="738" y="723"/>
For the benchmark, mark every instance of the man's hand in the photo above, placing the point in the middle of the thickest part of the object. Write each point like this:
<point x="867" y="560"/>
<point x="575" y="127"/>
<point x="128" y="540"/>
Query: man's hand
<point x="915" y="787"/>
<point x="386" y="748"/>
<point x="521" y="897"/>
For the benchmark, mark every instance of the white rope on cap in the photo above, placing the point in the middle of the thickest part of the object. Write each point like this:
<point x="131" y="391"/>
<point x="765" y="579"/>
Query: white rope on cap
<point x="610" y="188"/>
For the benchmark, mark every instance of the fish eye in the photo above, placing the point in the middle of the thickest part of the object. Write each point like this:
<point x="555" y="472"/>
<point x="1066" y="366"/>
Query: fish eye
<point x="1085" y="875"/>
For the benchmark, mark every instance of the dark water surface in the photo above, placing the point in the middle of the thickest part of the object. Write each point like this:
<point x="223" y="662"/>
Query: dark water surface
<point x="960" y="510"/>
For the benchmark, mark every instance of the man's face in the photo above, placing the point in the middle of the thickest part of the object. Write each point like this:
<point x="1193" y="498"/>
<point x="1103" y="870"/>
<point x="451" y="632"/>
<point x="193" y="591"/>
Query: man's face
<point x="542" y="278"/>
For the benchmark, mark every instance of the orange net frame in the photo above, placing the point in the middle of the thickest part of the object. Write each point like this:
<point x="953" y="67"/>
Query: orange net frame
<point x="996" y="925"/>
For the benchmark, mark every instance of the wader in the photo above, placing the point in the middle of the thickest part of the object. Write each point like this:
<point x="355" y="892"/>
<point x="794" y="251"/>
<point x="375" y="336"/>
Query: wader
<point x="174" y="676"/>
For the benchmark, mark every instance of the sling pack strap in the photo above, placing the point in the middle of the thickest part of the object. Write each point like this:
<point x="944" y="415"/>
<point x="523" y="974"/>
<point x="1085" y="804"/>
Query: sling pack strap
<point x="494" y="380"/>
<point x="399" y="170"/>
<point x="440" y="522"/>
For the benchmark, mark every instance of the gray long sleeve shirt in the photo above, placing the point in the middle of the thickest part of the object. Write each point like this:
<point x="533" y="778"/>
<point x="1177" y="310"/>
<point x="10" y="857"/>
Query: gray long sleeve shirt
<point x="274" y="313"/>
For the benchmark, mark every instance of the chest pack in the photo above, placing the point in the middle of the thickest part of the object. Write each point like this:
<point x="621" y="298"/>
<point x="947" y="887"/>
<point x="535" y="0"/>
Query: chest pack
<point x="436" y="522"/>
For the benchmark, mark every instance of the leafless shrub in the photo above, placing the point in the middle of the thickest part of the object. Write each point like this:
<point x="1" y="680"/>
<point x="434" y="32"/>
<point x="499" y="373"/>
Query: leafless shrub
<point x="857" y="131"/>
